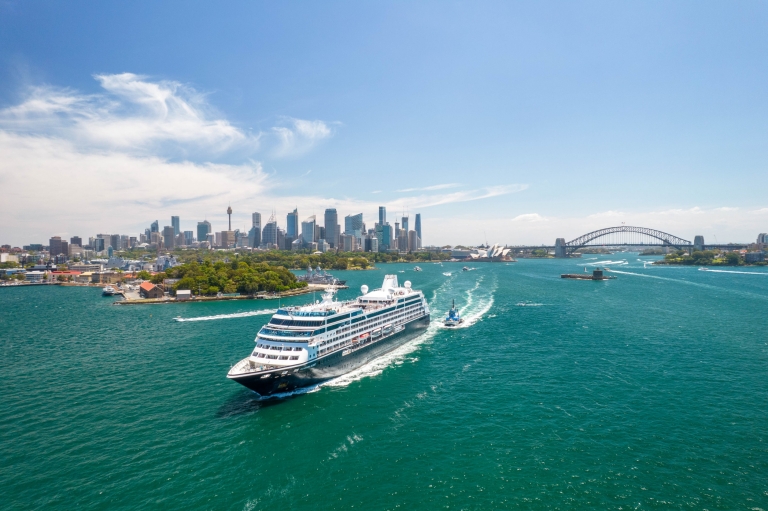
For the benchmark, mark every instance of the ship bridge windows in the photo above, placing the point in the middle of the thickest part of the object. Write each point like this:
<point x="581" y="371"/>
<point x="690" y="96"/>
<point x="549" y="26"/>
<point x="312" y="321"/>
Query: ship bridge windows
<point x="294" y="322"/>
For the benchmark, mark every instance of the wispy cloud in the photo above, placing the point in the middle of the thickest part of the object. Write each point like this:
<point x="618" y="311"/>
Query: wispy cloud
<point x="298" y="136"/>
<point x="529" y="217"/>
<point x="431" y="188"/>
<point x="132" y="114"/>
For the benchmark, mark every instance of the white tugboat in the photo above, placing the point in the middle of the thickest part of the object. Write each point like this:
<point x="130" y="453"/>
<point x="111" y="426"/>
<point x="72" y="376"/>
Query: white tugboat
<point x="303" y="346"/>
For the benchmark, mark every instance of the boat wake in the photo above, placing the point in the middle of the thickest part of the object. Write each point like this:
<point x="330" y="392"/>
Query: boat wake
<point x="528" y="304"/>
<point x="603" y="263"/>
<point x="734" y="271"/>
<point x="228" y="316"/>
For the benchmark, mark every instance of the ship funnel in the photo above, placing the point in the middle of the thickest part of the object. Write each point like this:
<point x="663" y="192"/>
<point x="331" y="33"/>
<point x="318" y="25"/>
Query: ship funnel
<point x="364" y="289"/>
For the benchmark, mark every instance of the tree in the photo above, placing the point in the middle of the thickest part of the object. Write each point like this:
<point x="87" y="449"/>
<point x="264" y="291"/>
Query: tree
<point x="144" y="275"/>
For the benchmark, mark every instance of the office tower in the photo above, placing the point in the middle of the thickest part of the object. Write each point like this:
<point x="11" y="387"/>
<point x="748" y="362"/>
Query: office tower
<point x="417" y="228"/>
<point x="168" y="237"/>
<point x="308" y="230"/>
<point x="229" y="214"/>
<point x="382" y="215"/>
<point x="404" y="224"/>
<point x="54" y="246"/>
<point x="125" y="241"/>
<point x="133" y="241"/>
<point x="155" y="227"/>
<point x="176" y="225"/>
<point x="227" y="239"/>
<point x="384" y="237"/>
<point x="319" y="232"/>
<point x="203" y="230"/>
<point x="331" y="227"/>
<point x="98" y="244"/>
<point x="292" y="229"/>
<point x="114" y="241"/>
<point x="353" y="225"/>
<point x="269" y="233"/>
<point x="76" y="240"/>
<point x="256" y="220"/>
<point x="147" y="235"/>
<point x="413" y="241"/>
<point x="280" y="239"/>
<point x="211" y="239"/>
<point x="189" y="237"/>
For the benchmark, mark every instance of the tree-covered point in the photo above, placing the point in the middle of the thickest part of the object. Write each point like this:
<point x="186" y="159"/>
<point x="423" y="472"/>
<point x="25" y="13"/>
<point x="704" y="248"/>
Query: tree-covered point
<point x="297" y="260"/>
<point x="703" y="258"/>
<point x="241" y="276"/>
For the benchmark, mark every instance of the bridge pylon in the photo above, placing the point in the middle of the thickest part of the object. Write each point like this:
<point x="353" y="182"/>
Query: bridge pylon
<point x="560" y="248"/>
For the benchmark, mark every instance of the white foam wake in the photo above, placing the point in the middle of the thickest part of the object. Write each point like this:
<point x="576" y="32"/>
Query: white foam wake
<point x="229" y="316"/>
<point x="603" y="263"/>
<point x="733" y="271"/>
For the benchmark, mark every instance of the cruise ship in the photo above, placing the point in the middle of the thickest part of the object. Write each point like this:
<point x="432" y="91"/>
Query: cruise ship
<point x="302" y="346"/>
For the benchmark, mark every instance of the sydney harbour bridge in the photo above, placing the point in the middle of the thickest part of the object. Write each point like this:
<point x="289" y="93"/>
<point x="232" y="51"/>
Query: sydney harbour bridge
<point x="628" y="236"/>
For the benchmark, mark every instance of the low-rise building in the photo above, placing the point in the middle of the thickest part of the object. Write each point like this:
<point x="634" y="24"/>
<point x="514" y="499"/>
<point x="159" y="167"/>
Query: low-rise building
<point x="34" y="276"/>
<point x="149" y="290"/>
<point x="183" y="294"/>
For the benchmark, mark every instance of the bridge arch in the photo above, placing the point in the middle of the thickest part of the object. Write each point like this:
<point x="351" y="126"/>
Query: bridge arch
<point x="630" y="235"/>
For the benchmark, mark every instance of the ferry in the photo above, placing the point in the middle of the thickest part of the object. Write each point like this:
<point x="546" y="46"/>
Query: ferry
<point x="108" y="291"/>
<point x="306" y="345"/>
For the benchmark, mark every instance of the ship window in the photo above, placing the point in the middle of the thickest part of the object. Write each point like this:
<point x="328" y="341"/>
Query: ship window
<point x="260" y="355"/>
<point x="278" y="348"/>
<point x="273" y="357"/>
<point x="283" y="357"/>
<point x="294" y="357"/>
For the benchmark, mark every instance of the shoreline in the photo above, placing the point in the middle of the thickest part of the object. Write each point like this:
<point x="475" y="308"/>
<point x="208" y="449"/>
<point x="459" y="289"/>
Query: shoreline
<point x="312" y="288"/>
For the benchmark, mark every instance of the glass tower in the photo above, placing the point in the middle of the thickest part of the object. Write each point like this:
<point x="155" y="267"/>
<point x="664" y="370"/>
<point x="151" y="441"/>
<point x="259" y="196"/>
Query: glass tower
<point x="176" y="225"/>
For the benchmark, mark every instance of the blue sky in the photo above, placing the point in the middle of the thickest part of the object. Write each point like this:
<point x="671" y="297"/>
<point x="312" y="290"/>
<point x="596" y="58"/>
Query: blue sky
<point x="515" y="122"/>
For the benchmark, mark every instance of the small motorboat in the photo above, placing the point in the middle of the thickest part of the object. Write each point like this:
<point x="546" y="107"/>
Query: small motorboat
<point x="447" y="273"/>
<point x="416" y="268"/>
<point x="466" y="268"/>
<point x="108" y="291"/>
<point x="453" y="318"/>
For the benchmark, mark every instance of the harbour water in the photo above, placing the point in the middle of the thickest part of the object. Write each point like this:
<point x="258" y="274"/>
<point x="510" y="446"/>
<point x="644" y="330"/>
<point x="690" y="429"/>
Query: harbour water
<point x="645" y="392"/>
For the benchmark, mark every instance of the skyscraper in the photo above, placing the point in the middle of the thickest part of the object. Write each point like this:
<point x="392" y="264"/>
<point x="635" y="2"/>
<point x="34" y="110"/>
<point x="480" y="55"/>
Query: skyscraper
<point x="254" y="235"/>
<point x="405" y="223"/>
<point x="308" y="230"/>
<point x="203" y="230"/>
<point x="176" y="225"/>
<point x="76" y="240"/>
<point x="168" y="237"/>
<point x="292" y="230"/>
<point x="229" y="213"/>
<point x="417" y="228"/>
<point x="382" y="215"/>
<point x="332" y="227"/>
<point x="155" y="227"/>
<point x="269" y="233"/>
<point x="256" y="220"/>
<point x="54" y="246"/>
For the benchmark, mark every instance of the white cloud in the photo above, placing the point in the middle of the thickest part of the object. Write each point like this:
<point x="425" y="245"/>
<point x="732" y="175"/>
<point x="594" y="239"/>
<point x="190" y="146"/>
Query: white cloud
<point x="529" y="217"/>
<point x="430" y="188"/>
<point x="299" y="136"/>
<point x="132" y="114"/>
<point x="52" y="187"/>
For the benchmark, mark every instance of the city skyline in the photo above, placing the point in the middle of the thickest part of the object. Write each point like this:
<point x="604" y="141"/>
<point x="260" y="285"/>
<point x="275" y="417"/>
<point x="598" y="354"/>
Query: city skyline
<point x="530" y="122"/>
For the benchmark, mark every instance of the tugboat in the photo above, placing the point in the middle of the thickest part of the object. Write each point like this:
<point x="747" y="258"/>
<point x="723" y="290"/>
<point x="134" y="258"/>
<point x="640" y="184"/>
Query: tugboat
<point x="453" y="318"/>
<point x="108" y="291"/>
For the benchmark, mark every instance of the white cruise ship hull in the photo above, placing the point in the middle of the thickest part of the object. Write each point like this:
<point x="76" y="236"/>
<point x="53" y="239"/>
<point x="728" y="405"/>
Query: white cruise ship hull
<point x="332" y="365"/>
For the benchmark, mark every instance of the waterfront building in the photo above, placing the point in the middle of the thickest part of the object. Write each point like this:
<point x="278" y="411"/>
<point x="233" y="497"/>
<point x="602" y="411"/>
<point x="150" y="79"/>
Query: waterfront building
<point x="76" y="240"/>
<point x="176" y="224"/>
<point x="155" y="227"/>
<point x="292" y="229"/>
<point x="308" y="230"/>
<point x="149" y="290"/>
<point x="168" y="237"/>
<point x="332" y="227"/>
<point x="417" y="228"/>
<point x="203" y="229"/>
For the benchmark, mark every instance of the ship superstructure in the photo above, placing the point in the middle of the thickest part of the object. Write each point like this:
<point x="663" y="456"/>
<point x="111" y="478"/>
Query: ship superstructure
<point x="306" y="345"/>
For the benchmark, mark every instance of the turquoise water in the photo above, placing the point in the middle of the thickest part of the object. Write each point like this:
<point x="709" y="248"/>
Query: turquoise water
<point x="649" y="391"/>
